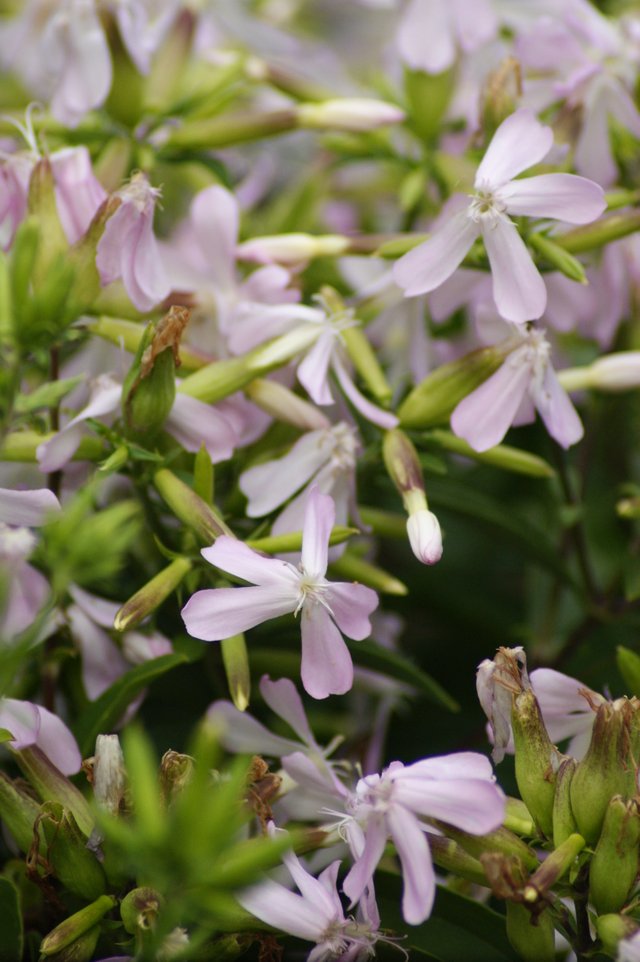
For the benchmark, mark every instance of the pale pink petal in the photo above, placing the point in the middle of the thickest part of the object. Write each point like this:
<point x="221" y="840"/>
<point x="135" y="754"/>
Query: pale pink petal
<point x="79" y="193"/>
<point x="193" y="423"/>
<point x="138" y="647"/>
<point x="459" y="765"/>
<point x="216" y="218"/>
<point x="519" y="142"/>
<point x="559" y="695"/>
<point x="326" y="667"/>
<point x="282" y="698"/>
<point x="270" y="484"/>
<point x="556" y="410"/>
<point x="27" y="593"/>
<point x="218" y="613"/>
<point x="476" y="29"/>
<point x="361" y="874"/>
<point x="141" y="266"/>
<point x="592" y="155"/>
<point x="22" y="719"/>
<point x="430" y="264"/>
<point x="243" y="734"/>
<point x="566" y="197"/>
<point x="319" y="518"/>
<point x="484" y="416"/>
<point x="100" y="610"/>
<point x="351" y="605"/>
<point x="270" y="285"/>
<point x="311" y="888"/>
<point x="384" y="419"/>
<point x="58" y="450"/>
<point x="473" y="805"/>
<point x="518" y="288"/>
<point x="284" y="910"/>
<point x="315" y="778"/>
<point x="102" y="660"/>
<point x="238" y="559"/>
<point x="29" y="508"/>
<point x="57" y="743"/>
<point x="425" y="36"/>
<point x="417" y="867"/>
<point x="313" y="371"/>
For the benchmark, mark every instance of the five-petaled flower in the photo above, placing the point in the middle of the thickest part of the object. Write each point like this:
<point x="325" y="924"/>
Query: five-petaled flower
<point x="518" y="289"/>
<point x="279" y="588"/>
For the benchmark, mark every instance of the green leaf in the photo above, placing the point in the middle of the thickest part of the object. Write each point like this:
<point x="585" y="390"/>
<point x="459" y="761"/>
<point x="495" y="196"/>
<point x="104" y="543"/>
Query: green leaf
<point x="629" y="667"/>
<point x="393" y="665"/>
<point x="104" y="713"/>
<point x="459" y="929"/>
<point x="47" y="395"/>
<point x="462" y="499"/>
<point x="12" y="938"/>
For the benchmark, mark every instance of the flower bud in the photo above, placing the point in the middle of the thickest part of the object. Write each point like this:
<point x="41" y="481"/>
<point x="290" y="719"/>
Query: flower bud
<point x="616" y="372"/>
<point x="537" y="760"/>
<point x="500" y="840"/>
<point x="292" y="250"/>
<point x="175" y="772"/>
<point x="72" y="863"/>
<point x="18" y="811"/>
<point x="189" y="508"/>
<point x="612" y="929"/>
<point x="283" y="405"/>
<point x="614" y="864"/>
<point x="448" y="855"/>
<point x="76" y="925"/>
<point x="52" y="785"/>
<point x="150" y="596"/>
<point x="554" y="867"/>
<point x="109" y="774"/>
<point x="425" y="536"/>
<point x="149" y="389"/>
<point x="532" y="938"/>
<point x="564" y="823"/>
<point x="42" y="204"/>
<point x="500" y="94"/>
<point x="608" y="768"/>
<point x="558" y="258"/>
<point x="357" y="114"/>
<point x="139" y="909"/>
<point x="433" y="400"/>
<point x="236" y="665"/>
<point x="81" y="949"/>
<point x="428" y="96"/>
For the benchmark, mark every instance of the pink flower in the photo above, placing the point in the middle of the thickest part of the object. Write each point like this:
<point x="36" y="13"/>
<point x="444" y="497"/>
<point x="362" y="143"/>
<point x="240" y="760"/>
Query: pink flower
<point x="28" y="508"/>
<point x="458" y="789"/>
<point x="518" y="289"/>
<point x="79" y="193"/>
<point x="32" y="724"/>
<point x="524" y="383"/>
<point x="128" y="248"/>
<point x="431" y="31"/>
<point x="325" y="608"/>
<point x="316" y="914"/>
<point x="25" y="589"/>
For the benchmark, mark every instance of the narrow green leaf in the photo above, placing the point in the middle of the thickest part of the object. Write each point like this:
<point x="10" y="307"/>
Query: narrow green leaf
<point x="629" y="667"/>
<point x="12" y="937"/>
<point x="103" y="714"/>
<point x="370" y="655"/>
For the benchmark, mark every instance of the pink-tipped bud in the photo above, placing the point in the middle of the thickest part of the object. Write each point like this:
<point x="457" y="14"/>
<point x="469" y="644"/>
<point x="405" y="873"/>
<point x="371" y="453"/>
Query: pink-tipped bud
<point x="356" y="114"/>
<point x="425" y="536"/>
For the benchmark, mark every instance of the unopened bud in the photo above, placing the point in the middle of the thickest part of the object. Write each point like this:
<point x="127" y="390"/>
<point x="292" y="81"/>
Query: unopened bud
<point x="349" y="114"/>
<point x="532" y="938"/>
<point x="564" y="823"/>
<point x="139" y="909"/>
<point x="614" y="864"/>
<point x="72" y="863"/>
<point x="18" y="811"/>
<point x="76" y="925"/>
<point x="80" y="950"/>
<point x="433" y="400"/>
<point x="500" y="95"/>
<point x="109" y="774"/>
<point x="175" y="772"/>
<point x="537" y="760"/>
<point x="236" y="665"/>
<point x="500" y="840"/>
<point x="558" y="258"/>
<point x="189" y="507"/>
<point x="52" y="785"/>
<point x="425" y="536"/>
<point x="283" y="405"/>
<point x="608" y="768"/>
<point x="613" y="930"/>
<point x="616" y="372"/>
<point x="554" y="867"/>
<point x="42" y="204"/>
<point x="293" y="249"/>
<point x="151" y="595"/>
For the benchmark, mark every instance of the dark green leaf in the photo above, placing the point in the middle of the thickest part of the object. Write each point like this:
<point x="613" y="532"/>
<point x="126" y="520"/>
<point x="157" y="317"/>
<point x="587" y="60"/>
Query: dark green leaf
<point x="104" y="713"/>
<point x="11" y="934"/>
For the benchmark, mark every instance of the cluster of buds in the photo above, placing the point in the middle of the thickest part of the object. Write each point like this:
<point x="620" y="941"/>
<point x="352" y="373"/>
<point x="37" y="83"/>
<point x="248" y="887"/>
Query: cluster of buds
<point x="586" y="811"/>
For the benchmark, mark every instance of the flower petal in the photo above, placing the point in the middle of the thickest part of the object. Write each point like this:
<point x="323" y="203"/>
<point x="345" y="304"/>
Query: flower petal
<point x="57" y="743"/>
<point x="473" y="805"/>
<point x="567" y="197"/>
<point x="425" y="36"/>
<point x="484" y="416"/>
<point x="319" y="517"/>
<point x="243" y="734"/>
<point x="384" y="419"/>
<point x="284" y="910"/>
<point x="326" y="667"/>
<point x="417" y="867"/>
<point x="218" y="613"/>
<point x="239" y="560"/>
<point x="519" y="142"/>
<point x="429" y="264"/>
<point x="313" y="371"/>
<point x="518" y="288"/>
<point x="351" y="605"/>
<point x="29" y="508"/>
<point x="270" y="484"/>
<point x="556" y="410"/>
<point x="366" y="861"/>
<point x="282" y="698"/>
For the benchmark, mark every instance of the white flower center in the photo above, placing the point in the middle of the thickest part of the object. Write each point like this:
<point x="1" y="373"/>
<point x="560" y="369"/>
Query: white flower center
<point x="344" y="447"/>
<point x="16" y="544"/>
<point x="486" y="207"/>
